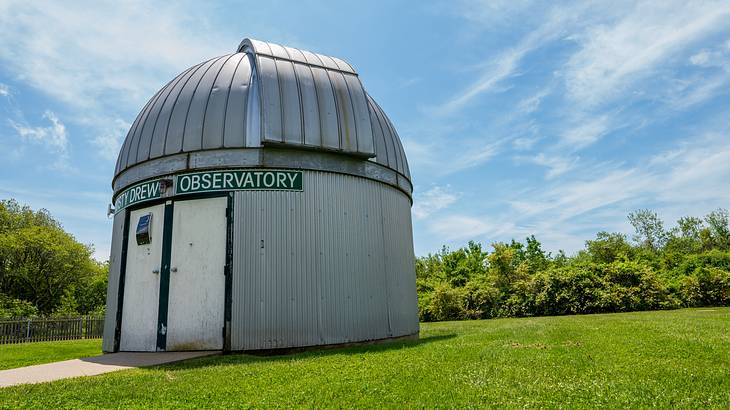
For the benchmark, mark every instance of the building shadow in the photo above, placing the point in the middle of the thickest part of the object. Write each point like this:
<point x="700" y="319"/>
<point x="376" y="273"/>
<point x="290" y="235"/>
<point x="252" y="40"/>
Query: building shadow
<point x="277" y="355"/>
<point x="145" y="359"/>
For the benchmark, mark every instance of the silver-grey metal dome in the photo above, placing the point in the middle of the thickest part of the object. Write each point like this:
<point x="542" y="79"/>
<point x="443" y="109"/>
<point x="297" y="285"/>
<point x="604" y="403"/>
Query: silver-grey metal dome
<point x="249" y="108"/>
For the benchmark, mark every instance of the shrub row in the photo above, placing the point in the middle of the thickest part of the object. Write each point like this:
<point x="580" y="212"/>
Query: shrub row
<point x="614" y="287"/>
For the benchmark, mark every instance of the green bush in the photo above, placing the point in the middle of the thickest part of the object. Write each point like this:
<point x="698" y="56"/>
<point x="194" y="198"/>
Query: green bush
<point x="480" y="300"/>
<point x="685" y="266"/>
<point x="633" y="286"/>
<point x="16" y="308"/>
<point x="714" y="258"/>
<point x="447" y="303"/>
<point x="568" y="290"/>
<point x="707" y="286"/>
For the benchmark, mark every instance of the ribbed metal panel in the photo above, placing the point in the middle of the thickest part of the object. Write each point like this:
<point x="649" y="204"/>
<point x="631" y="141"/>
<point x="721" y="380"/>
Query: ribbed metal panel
<point x="388" y="148"/>
<point x="289" y="53"/>
<point x="214" y="120"/>
<point x="234" y="135"/>
<point x="310" y="107"/>
<point x="331" y="264"/>
<point x="115" y="258"/>
<point x="263" y="94"/>
<point x="400" y="263"/>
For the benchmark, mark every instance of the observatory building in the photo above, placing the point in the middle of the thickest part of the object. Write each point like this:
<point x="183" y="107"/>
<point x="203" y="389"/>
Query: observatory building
<point x="261" y="201"/>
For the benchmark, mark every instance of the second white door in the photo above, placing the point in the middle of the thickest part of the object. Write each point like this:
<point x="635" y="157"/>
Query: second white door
<point x="197" y="277"/>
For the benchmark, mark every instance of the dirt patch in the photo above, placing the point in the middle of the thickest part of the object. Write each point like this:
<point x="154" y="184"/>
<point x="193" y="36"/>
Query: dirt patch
<point x="518" y="345"/>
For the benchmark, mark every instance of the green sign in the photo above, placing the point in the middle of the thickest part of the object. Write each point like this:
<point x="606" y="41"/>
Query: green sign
<point x="232" y="180"/>
<point x="254" y="179"/>
<point x="138" y="193"/>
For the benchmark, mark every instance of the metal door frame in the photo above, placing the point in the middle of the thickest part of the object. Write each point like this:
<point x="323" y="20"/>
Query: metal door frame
<point x="165" y="267"/>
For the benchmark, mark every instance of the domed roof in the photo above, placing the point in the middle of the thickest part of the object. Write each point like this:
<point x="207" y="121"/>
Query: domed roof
<point x="223" y="111"/>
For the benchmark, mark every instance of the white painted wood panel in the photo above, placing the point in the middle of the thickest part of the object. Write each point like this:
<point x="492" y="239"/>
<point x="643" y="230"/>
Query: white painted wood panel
<point x="141" y="285"/>
<point x="197" y="288"/>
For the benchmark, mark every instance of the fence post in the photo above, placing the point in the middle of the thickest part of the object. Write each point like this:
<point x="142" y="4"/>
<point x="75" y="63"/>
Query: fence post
<point x="27" y="331"/>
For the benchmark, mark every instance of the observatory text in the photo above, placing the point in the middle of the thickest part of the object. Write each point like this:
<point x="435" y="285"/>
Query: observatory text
<point x="239" y="180"/>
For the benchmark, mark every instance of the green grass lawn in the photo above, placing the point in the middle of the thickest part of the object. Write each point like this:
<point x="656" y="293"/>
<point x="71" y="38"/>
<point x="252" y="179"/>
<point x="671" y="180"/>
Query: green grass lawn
<point x="667" y="359"/>
<point x="26" y="354"/>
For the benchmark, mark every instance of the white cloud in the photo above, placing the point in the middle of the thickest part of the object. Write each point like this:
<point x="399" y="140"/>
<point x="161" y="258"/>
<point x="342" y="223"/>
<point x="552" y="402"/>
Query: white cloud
<point x="433" y="200"/>
<point x="586" y="131"/>
<point x="532" y="103"/>
<point x="459" y="227"/>
<point x="439" y="156"/>
<point x="53" y="137"/>
<point x="505" y="65"/>
<point x="617" y="45"/>
<point x="617" y="68"/>
<point x="475" y="157"/>
<point x="573" y="198"/>
<point x="717" y="57"/>
<point x="699" y="166"/>
<point x="102" y="63"/>
<point x="682" y="180"/>
<point x="490" y="12"/>
<point x="501" y="69"/>
<point x="613" y="56"/>
<point x="697" y="90"/>
<point x="557" y="165"/>
<point x="4" y="90"/>
<point x="87" y="56"/>
<point x="701" y="58"/>
<point x="524" y="143"/>
<point x="408" y="82"/>
<point x="109" y="139"/>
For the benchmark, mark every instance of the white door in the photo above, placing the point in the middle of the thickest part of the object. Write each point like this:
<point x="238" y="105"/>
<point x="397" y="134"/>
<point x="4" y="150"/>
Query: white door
<point x="197" y="280"/>
<point x="142" y="284"/>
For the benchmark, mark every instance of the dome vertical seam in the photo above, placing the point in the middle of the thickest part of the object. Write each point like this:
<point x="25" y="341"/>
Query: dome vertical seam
<point x="225" y="106"/>
<point x="190" y="103"/>
<point x="207" y="102"/>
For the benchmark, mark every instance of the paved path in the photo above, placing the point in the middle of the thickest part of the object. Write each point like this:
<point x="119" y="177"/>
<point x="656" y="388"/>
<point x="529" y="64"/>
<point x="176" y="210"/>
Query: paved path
<point x="89" y="366"/>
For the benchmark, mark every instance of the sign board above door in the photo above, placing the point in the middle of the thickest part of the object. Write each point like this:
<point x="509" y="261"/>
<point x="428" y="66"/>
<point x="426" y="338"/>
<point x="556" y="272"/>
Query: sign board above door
<point x="213" y="181"/>
<point x="237" y="180"/>
<point x="145" y="191"/>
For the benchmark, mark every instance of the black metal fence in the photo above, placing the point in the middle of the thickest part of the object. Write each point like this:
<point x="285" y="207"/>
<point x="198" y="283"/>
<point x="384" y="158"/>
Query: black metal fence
<point x="48" y="329"/>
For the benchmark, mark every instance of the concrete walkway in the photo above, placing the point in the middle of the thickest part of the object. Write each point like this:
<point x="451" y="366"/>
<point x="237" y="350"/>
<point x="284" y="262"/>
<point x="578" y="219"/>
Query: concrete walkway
<point x="90" y="366"/>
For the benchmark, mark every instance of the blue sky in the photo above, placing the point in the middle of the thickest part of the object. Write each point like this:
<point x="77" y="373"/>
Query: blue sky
<point x="518" y="117"/>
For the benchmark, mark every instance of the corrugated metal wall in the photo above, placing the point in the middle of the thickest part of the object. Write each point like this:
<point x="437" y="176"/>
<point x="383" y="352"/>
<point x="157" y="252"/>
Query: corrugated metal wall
<point x="332" y="264"/>
<point x="115" y="258"/>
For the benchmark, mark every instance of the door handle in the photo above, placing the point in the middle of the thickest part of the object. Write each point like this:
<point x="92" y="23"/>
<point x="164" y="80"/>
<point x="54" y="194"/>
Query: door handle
<point x="155" y="271"/>
<point x="173" y="269"/>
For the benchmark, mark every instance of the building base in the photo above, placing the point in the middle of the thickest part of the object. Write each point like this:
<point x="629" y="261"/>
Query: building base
<point x="301" y="349"/>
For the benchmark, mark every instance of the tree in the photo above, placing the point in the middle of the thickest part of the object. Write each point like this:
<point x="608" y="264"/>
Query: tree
<point x="719" y="227"/>
<point x="68" y="305"/>
<point x="535" y="257"/>
<point x="690" y="227"/>
<point x="15" y="308"/>
<point x="649" y="229"/>
<point x="502" y="265"/>
<point x="39" y="261"/>
<point x="608" y="247"/>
